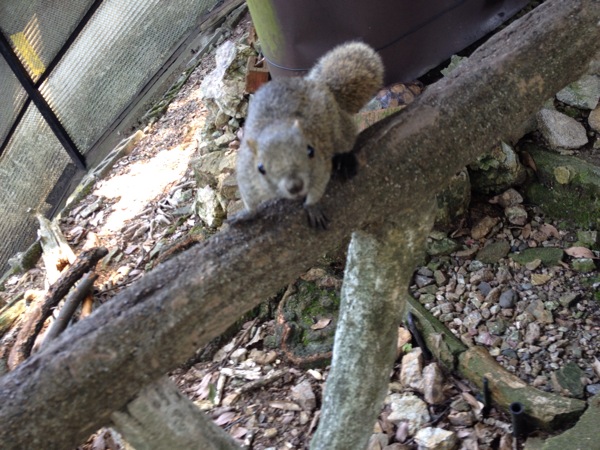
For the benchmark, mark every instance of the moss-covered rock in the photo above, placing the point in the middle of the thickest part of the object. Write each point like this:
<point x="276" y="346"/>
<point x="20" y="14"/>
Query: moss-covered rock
<point x="578" y="199"/>
<point x="497" y="170"/>
<point x="550" y="256"/>
<point x="306" y="322"/>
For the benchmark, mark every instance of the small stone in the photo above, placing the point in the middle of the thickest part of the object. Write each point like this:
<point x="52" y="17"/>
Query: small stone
<point x="239" y="355"/>
<point x="532" y="265"/>
<point x="517" y="214"/>
<point x="582" y="94"/>
<point x="508" y="299"/>
<point x="508" y="198"/>
<point x="433" y="390"/>
<point x="408" y="408"/>
<point x="261" y="357"/>
<point x="493" y="252"/>
<point x="533" y="332"/>
<point x="568" y="378"/>
<point x="208" y="208"/>
<point x="431" y="438"/>
<point x="225" y="139"/>
<point x="537" y="309"/>
<point x="270" y="433"/>
<point x="422" y="281"/>
<point x="583" y="265"/>
<point x="411" y="372"/>
<point x="460" y="404"/>
<point x="592" y="389"/>
<point x="472" y="320"/>
<point x="560" y="130"/>
<point x="396" y="446"/>
<point x="503" y="275"/>
<point x="594" y="119"/>
<point x="567" y="299"/>
<point x="440" y="247"/>
<point x="304" y="417"/>
<point x="461" y="419"/>
<point x="425" y="271"/>
<point x="497" y="327"/>
<point x="484" y="287"/>
<point x="493" y="296"/>
<point x="303" y="394"/>
<point x="378" y="441"/>
<point x="475" y="265"/>
<point x="440" y="278"/>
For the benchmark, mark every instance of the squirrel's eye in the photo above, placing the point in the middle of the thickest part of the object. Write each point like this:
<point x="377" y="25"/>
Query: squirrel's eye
<point x="261" y="169"/>
<point x="310" y="150"/>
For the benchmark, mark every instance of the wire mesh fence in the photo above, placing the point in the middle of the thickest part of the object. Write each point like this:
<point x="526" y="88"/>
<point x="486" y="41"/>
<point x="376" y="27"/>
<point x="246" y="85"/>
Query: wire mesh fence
<point x="89" y="60"/>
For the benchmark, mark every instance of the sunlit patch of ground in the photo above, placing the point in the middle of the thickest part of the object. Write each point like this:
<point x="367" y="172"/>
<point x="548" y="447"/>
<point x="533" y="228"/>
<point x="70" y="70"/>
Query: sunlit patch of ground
<point x="145" y="180"/>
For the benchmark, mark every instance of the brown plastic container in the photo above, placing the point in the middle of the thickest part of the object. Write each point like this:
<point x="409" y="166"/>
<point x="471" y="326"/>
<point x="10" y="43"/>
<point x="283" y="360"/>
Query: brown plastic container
<point x="412" y="36"/>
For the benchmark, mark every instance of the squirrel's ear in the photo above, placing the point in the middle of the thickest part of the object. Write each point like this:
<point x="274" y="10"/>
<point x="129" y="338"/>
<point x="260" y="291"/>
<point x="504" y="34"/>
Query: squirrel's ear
<point x="252" y="145"/>
<point x="296" y="123"/>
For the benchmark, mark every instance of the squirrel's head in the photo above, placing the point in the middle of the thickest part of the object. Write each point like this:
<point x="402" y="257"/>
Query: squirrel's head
<point x="285" y="159"/>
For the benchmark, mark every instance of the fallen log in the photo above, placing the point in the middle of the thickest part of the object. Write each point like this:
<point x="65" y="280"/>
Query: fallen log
<point x="69" y="389"/>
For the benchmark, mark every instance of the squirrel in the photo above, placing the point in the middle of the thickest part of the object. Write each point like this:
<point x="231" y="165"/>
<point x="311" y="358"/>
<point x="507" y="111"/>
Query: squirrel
<point x="295" y="126"/>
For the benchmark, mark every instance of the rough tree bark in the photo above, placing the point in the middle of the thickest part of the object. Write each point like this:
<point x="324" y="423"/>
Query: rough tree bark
<point x="143" y="423"/>
<point x="378" y="271"/>
<point x="59" y="396"/>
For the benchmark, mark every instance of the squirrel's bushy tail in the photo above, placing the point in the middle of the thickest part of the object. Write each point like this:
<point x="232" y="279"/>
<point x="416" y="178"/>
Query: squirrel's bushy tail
<point x="353" y="72"/>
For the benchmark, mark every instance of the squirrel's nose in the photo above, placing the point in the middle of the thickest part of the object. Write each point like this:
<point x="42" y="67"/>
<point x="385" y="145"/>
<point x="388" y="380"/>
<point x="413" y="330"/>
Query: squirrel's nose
<point x="294" y="185"/>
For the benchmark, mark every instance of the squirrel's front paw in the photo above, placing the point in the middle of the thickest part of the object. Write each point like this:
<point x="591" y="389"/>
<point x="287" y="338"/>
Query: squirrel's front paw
<point x="316" y="218"/>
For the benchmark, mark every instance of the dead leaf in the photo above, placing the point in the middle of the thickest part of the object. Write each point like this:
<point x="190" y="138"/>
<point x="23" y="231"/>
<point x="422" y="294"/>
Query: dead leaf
<point x="537" y="279"/>
<point x="238" y="432"/>
<point x="471" y="400"/>
<point x="203" y="389"/>
<point x="580" y="252"/>
<point x="402" y="431"/>
<point x="528" y="161"/>
<point x="526" y="231"/>
<point x="286" y="406"/>
<point x="225" y="418"/>
<point x="549" y="230"/>
<point x="322" y="323"/>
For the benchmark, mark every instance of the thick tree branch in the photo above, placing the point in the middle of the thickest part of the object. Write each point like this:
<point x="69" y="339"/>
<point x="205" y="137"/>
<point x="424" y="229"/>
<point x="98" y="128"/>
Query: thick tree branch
<point x="59" y="396"/>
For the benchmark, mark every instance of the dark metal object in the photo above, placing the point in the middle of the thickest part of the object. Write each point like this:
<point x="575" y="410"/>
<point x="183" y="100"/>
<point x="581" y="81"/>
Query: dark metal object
<point x="517" y="415"/>
<point x="412" y="327"/>
<point x="487" y="398"/>
<point x="411" y="37"/>
<point x="6" y="49"/>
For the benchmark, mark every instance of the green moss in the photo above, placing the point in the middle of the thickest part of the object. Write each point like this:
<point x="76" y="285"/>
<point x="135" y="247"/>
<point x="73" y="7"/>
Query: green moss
<point x="301" y="311"/>
<point x="578" y="201"/>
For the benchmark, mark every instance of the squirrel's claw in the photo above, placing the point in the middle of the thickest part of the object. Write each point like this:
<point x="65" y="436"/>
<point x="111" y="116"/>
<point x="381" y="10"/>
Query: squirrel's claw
<point x="316" y="218"/>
